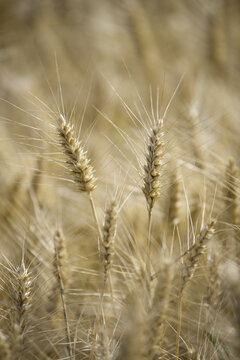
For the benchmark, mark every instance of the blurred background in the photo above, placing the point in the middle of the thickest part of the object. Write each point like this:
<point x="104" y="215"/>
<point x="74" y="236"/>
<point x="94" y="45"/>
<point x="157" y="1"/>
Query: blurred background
<point x="107" y="54"/>
<point x="125" y="43"/>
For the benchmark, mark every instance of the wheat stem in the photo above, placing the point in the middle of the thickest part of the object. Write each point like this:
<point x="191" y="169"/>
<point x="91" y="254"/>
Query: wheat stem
<point x="148" y="252"/>
<point x="62" y="294"/>
<point x="95" y="217"/>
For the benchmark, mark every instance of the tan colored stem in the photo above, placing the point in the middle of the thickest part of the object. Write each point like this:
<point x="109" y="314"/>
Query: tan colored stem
<point x="61" y="288"/>
<point x="149" y="245"/>
<point x="94" y="212"/>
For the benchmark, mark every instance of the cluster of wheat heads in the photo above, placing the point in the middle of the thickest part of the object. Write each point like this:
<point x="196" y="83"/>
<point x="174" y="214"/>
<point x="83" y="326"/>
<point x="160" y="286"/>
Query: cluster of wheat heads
<point x="97" y="265"/>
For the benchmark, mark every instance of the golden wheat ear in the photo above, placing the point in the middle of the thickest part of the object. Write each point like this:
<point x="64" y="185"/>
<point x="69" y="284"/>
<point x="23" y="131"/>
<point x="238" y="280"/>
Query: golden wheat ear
<point x="109" y="233"/>
<point x="153" y="181"/>
<point x="79" y="165"/>
<point x="60" y="263"/>
<point x="196" y="251"/>
<point x="189" y="268"/>
<point x="77" y="160"/>
<point x="20" y="295"/>
<point x="154" y="164"/>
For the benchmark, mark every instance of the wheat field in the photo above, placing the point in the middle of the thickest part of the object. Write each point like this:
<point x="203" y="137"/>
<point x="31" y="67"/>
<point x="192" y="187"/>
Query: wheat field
<point x="119" y="180"/>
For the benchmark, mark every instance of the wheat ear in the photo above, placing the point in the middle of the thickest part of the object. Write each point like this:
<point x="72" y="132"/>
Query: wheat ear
<point x="152" y="179"/>
<point x="154" y="164"/>
<point x="195" y="252"/>
<point x="79" y="164"/>
<point x="109" y="233"/>
<point x="60" y="245"/>
<point x="175" y="199"/>
<point x="189" y="267"/>
<point x="58" y="241"/>
<point x="21" y="297"/>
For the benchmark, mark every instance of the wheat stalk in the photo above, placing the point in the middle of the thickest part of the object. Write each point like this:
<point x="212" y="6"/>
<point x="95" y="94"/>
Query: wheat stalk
<point x="79" y="164"/>
<point x="20" y="292"/>
<point x="189" y="267"/>
<point x="152" y="181"/>
<point x="58" y="263"/>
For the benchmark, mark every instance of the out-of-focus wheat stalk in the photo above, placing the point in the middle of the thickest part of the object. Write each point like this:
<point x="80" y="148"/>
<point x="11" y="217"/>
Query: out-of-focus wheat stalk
<point x="58" y="263"/>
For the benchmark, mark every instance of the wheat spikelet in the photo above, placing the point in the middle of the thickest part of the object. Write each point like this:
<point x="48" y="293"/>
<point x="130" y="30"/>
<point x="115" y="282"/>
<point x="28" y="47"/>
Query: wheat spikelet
<point x="195" y="252"/>
<point x="60" y="259"/>
<point x="60" y="264"/>
<point x="79" y="164"/>
<point x="21" y="298"/>
<point x="153" y="168"/>
<point x="109" y="233"/>
<point x="175" y="199"/>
